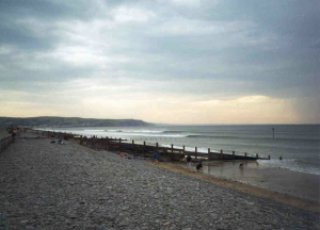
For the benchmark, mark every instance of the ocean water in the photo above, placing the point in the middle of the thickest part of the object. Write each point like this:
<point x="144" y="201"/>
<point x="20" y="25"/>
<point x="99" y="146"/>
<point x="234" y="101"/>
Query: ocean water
<point x="298" y="145"/>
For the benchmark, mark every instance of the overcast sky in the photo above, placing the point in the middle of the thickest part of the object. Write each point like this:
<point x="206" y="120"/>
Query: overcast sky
<point x="169" y="61"/>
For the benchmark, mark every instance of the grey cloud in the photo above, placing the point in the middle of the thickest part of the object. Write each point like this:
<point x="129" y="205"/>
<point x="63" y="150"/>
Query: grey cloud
<point x="217" y="48"/>
<point x="47" y="9"/>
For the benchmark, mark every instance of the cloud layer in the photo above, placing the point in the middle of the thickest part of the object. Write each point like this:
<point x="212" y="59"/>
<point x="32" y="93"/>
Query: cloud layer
<point x="163" y="61"/>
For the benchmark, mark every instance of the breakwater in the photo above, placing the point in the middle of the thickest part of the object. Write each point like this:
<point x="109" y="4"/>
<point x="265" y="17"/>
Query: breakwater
<point x="165" y="153"/>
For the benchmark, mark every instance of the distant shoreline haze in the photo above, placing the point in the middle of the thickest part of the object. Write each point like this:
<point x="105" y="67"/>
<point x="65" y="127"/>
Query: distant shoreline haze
<point x="56" y="121"/>
<point x="47" y="121"/>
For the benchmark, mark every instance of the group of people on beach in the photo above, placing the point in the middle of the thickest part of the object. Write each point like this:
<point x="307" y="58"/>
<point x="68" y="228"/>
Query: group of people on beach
<point x="198" y="165"/>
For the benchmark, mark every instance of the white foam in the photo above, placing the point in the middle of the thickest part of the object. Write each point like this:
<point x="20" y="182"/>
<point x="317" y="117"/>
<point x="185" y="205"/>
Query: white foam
<point x="128" y="131"/>
<point x="93" y="130"/>
<point x="143" y="133"/>
<point x="290" y="164"/>
<point x="190" y="149"/>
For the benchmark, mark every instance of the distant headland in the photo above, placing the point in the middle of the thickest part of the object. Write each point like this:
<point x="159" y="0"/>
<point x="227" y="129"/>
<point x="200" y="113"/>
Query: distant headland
<point x="50" y="121"/>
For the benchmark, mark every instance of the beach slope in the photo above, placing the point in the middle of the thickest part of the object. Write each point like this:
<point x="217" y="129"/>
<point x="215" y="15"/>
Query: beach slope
<point x="52" y="186"/>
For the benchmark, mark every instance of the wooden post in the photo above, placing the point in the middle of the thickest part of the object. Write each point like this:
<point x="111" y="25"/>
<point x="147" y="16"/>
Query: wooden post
<point x="184" y="148"/>
<point x="157" y="145"/>
<point x="171" y="148"/>
<point x="107" y="143"/>
<point x="208" y="156"/>
<point x="196" y="151"/>
<point x="269" y="157"/>
<point x="120" y="140"/>
<point x="221" y="153"/>
<point x="257" y="156"/>
<point x="245" y="154"/>
<point x="233" y="154"/>
<point x="133" y="142"/>
<point x="272" y="133"/>
<point x="144" y="147"/>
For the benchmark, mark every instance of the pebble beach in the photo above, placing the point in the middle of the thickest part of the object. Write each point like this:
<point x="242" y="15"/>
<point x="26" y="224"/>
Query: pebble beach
<point x="47" y="185"/>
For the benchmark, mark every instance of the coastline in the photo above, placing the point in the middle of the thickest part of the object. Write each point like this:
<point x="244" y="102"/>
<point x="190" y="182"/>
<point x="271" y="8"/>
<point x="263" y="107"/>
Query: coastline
<point x="262" y="175"/>
<point x="45" y="185"/>
<point x="283" y="198"/>
<point x="259" y="174"/>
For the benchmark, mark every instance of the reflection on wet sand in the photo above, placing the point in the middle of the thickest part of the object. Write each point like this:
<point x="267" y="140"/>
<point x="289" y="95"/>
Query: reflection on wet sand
<point x="276" y="179"/>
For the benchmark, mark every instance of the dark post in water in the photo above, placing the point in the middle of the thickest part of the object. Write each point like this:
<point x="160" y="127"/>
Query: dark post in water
<point x="272" y="133"/>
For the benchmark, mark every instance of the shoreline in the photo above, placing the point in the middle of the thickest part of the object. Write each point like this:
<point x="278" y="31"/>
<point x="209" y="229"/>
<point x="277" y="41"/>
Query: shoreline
<point x="261" y="174"/>
<point x="297" y="202"/>
<point x="259" y="180"/>
<point x="271" y="182"/>
<point x="47" y="185"/>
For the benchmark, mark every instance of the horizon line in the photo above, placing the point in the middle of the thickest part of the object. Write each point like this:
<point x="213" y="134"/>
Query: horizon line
<point x="162" y="123"/>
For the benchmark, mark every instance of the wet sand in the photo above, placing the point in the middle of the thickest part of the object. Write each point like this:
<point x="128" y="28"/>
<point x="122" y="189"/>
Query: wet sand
<point x="301" y="185"/>
<point x="259" y="191"/>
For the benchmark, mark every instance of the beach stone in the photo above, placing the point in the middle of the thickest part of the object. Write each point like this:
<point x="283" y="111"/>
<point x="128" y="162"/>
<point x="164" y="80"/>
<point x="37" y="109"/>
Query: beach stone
<point x="74" y="187"/>
<point x="24" y="222"/>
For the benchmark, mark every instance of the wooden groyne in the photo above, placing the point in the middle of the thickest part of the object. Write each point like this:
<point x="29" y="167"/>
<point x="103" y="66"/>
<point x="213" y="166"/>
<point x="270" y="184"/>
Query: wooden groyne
<point x="145" y="150"/>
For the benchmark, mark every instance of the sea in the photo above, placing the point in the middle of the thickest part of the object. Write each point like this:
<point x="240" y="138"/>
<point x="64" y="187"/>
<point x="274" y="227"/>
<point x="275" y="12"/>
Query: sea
<point x="294" y="167"/>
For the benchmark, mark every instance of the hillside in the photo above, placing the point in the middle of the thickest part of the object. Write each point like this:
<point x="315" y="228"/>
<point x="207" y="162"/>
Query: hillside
<point x="68" y="122"/>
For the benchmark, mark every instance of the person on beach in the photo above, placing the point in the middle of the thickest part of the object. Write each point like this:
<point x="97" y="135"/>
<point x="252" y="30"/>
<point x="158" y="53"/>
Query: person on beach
<point x="199" y="166"/>
<point x="189" y="160"/>
<point x="156" y="156"/>
<point x="14" y="134"/>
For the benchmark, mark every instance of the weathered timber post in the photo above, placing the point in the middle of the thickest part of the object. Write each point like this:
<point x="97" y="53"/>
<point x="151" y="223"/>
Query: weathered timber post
<point x="133" y="146"/>
<point x="221" y="153"/>
<point x="209" y="152"/>
<point x="269" y="157"/>
<point x="257" y="155"/>
<point x="233" y="154"/>
<point x="144" y="147"/>
<point x="245" y="154"/>
<point x="196" y="151"/>
<point x="107" y="143"/>
<point x="157" y="145"/>
<point x="171" y="148"/>
<point x="272" y="133"/>
<point x="184" y="148"/>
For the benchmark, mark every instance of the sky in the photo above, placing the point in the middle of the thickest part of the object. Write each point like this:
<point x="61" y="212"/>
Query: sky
<point x="163" y="61"/>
